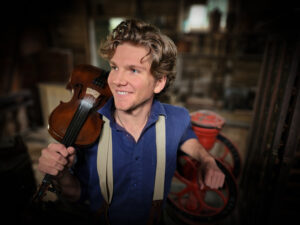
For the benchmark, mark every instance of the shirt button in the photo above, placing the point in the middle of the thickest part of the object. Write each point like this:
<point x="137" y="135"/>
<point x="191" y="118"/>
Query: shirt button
<point x="134" y="185"/>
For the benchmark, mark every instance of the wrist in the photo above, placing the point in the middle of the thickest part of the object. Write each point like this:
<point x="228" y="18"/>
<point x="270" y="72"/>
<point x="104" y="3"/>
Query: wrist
<point x="62" y="175"/>
<point x="207" y="159"/>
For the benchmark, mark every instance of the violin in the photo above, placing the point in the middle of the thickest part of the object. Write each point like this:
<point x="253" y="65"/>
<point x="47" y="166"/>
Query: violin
<point x="77" y="123"/>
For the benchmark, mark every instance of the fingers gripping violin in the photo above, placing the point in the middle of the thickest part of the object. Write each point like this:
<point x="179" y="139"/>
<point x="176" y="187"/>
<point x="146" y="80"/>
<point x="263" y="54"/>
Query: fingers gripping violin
<point x="77" y="123"/>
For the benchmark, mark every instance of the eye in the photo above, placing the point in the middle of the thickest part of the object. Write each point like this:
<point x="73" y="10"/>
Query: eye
<point x="113" y="67"/>
<point x="134" y="70"/>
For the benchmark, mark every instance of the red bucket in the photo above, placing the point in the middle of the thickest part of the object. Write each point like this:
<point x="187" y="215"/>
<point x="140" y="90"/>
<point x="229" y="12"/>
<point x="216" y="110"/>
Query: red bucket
<point x="206" y="125"/>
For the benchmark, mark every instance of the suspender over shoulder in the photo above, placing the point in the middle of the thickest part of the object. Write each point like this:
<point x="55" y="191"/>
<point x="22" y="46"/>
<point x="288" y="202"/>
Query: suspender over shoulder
<point x="104" y="162"/>
<point x="105" y="167"/>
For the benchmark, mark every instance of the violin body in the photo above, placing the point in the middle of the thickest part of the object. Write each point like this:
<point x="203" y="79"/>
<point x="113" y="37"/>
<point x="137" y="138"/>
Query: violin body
<point x="79" y="116"/>
<point x="77" y="123"/>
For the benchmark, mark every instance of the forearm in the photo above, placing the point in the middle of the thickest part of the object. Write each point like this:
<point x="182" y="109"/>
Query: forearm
<point x="210" y="174"/>
<point x="68" y="186"/>
<point x="193" y="148"/>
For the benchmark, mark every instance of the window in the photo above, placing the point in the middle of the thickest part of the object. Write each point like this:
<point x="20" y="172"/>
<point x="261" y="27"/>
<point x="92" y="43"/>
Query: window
<point x="113" y="22"/>
<point x="198" y="16"/>
<point x="222" y="6"/>
<point x="197" y="19"/>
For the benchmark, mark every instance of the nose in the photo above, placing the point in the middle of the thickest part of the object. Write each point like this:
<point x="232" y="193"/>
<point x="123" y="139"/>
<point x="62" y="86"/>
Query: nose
<point x="118" y="78"/>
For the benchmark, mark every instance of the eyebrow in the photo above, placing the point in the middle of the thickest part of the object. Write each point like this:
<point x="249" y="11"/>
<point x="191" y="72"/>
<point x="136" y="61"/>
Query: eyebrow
<point x="137" y="67"/>
<point x="130" y="66"/>
<point x="112" y="62"/>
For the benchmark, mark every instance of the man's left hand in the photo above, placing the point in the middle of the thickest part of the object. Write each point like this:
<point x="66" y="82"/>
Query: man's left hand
<point x="210" y="175"/>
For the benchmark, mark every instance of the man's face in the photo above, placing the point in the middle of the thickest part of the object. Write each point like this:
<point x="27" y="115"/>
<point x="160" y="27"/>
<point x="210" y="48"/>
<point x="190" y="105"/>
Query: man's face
<point x="130" y="79"/>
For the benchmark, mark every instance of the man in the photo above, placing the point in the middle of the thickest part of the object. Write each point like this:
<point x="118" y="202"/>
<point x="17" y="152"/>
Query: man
<point x="142" y="64"/>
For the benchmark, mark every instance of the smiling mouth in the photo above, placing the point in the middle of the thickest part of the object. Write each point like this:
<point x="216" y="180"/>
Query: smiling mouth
<point x="122" y="92"/>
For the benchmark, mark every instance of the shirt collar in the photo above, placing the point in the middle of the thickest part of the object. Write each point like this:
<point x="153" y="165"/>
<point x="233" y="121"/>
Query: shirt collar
<point x="108" y="109"/>
<point x="156" y="110"/>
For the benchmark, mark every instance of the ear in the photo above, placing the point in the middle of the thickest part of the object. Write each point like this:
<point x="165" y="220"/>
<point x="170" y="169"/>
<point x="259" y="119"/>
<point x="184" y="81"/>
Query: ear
<point x="160" y="84"/>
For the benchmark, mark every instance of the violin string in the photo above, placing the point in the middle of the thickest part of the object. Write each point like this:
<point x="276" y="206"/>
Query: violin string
<point x="78" y="120"/>
<point x="76" y="123"/>
<point x="72" y="127"/>
<point x="84" y="111"/>
<point x="69" y="132"/>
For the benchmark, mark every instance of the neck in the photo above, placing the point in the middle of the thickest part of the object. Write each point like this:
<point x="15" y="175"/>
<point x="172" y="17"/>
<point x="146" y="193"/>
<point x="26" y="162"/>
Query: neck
<point x="132" y="122"/>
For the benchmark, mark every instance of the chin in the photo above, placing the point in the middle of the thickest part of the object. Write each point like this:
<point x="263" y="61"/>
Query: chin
<point x="122" y="107"/>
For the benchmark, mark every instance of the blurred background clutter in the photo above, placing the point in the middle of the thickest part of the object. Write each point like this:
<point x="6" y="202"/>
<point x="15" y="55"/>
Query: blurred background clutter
<point x="236" y="58"/>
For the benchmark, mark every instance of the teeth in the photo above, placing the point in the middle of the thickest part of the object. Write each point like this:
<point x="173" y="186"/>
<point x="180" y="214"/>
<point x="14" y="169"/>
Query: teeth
<point x="122" y="92"/>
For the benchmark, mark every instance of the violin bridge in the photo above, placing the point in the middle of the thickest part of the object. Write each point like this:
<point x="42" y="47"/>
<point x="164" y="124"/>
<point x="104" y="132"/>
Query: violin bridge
<point x="92" y="92"/>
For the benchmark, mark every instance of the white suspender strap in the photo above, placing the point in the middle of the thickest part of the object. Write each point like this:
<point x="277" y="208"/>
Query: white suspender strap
<point x="105" y="160"/>
<point x="160" y="128"/>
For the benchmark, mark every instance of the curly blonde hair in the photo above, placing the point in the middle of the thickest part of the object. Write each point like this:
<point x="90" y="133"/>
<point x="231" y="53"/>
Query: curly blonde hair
<point x="161" y="48"/>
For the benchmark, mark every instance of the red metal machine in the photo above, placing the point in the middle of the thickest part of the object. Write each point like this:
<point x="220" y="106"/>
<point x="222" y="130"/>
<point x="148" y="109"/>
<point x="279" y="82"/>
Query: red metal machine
<point x="186" y="202"/>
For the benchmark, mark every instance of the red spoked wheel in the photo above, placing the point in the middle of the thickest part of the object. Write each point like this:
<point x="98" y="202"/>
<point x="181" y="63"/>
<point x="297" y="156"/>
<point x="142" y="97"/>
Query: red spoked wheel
<point x="226" y="152"/>
<point x="194" y="205"/>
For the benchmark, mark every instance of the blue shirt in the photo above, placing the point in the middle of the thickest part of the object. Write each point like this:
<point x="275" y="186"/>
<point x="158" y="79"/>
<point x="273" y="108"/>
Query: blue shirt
<point x="134" y="164"/>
